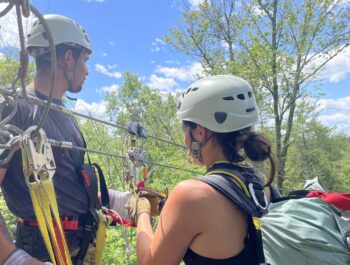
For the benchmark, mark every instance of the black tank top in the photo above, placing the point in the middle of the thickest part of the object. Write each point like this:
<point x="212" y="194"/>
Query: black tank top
<point x="245" y="257"/>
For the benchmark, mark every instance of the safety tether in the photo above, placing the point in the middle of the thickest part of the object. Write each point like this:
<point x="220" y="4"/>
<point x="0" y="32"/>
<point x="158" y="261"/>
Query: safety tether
<point x="39" y="168"/>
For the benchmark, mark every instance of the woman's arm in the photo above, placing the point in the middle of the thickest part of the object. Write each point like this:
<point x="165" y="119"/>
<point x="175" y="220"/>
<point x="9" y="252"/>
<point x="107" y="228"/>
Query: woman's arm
<point x="178" y="226"/>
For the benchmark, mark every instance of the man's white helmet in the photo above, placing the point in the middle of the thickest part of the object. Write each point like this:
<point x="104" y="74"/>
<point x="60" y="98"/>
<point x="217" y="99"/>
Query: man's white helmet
<point x="221" y="103"/>
<point x="63" y="30"/>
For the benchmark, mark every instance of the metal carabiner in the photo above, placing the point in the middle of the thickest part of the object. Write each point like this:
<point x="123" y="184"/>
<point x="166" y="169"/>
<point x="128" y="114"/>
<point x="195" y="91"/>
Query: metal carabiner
<point x="257" y="203"/>
<point x="37" y="156"/>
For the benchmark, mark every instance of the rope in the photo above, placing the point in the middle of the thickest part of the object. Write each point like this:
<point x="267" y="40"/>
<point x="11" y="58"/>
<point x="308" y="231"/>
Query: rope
<point x="53" y="66"/>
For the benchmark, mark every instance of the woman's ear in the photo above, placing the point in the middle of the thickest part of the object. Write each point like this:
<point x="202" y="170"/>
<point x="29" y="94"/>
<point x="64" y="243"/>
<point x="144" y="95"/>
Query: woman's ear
<point x="203" y="133"/>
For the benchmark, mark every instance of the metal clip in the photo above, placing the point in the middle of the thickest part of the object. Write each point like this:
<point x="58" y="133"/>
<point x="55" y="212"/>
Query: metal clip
<point x="37" y="156"/>
<point x="138" y="156"/>
<point x="257" y="203"/>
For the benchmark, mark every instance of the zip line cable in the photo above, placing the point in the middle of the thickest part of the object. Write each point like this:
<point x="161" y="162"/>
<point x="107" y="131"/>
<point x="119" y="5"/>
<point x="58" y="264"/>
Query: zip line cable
<point x="68" y="145"/>
<point x="65" y="110"/>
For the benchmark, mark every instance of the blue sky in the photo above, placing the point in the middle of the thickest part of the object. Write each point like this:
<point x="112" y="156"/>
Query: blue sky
<point x="127" y="35"/>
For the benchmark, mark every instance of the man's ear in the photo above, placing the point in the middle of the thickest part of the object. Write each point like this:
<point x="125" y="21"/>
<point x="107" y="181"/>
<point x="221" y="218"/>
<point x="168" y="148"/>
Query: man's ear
<point x="68" y="60"/>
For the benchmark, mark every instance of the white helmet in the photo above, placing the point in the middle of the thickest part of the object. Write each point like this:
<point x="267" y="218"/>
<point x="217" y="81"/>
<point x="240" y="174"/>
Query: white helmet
<point x="63" y="30"/>
<point x="221" y="103"/>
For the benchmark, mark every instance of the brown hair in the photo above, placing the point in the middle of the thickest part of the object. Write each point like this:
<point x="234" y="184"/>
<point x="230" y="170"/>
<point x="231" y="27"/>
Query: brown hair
<point x="256" y="147"/>
<point x="43" y="61"/>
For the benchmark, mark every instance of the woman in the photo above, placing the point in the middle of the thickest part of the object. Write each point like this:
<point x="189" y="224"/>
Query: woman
<point x="198" y="224"/>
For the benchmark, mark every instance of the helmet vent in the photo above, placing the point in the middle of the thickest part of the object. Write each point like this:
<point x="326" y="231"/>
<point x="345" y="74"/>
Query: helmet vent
<point x="228" y="98"/>
<point x="250" y="94"/>
<point x="250" y="109"/>
<point x="241" y="96"/>
<point x="194" y="89"/>
<point x="220" y="117"/>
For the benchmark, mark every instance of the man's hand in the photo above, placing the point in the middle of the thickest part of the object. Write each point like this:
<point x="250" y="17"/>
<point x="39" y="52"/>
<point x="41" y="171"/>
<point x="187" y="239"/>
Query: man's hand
<point x="156" y="198"/>
<point x="137" y="206"/>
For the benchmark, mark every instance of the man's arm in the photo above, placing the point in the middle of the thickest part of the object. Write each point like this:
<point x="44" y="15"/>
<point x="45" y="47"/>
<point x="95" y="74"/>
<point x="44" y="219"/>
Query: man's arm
<point x="8" y="253"/>
<point x="6" y="244"/>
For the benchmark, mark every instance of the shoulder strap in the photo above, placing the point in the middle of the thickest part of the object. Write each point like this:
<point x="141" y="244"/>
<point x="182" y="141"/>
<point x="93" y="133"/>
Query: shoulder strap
<point x="231" y="191"/>
<point x="103" y="186"/>
<point x="229" y="188"/>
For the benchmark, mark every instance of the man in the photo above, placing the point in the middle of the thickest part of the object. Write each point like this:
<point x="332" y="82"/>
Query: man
<point x="72" y="52"/>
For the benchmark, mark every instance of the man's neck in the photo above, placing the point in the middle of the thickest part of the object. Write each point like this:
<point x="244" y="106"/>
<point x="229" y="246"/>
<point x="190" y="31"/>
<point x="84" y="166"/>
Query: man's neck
<point x="42" y="83"/>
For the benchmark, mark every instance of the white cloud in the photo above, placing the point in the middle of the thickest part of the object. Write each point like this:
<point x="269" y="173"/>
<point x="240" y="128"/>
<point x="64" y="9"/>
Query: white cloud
<point x="157" y="45"/>
<point x="104" y="54"/>
<point x="111" y="43"/>
<point x="9" y="36"/>
<point x="338" y="68"/>
<point x="195" y="3"/>
<point x="162" y="83"/>
<point x="109" y="89"/>
<point x="96" y="110"/>
<point x="336" y="112"/>
<point x="185" y="73"/>
<point x="106" y="70"/>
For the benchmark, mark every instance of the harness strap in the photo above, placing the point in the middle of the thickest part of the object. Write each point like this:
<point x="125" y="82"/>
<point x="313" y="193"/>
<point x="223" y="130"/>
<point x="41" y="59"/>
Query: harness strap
<point x="68" y="223"/>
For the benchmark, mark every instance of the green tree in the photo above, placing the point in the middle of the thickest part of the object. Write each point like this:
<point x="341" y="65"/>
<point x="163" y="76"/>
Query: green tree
<point x="316" y="151"/>
<point x="279" y="46"/>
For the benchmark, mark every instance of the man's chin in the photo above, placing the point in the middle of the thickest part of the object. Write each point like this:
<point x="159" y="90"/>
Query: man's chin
<point x="76" y="90"/>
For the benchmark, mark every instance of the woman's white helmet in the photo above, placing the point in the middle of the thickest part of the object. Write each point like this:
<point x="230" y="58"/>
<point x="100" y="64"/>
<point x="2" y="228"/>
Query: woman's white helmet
<point x="221" y="103"/>
<point x="64" y="31"/>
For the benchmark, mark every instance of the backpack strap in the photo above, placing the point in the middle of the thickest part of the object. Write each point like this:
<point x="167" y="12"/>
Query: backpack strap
<point x="91" y="180"/>
<point x="233" y="192"/>
<point x="103" y="187"/>
<point x="240" y="197"/>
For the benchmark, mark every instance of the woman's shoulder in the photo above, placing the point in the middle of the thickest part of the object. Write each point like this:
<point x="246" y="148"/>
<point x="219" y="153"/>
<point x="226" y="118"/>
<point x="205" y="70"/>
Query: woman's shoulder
<point x="193" y="192"/>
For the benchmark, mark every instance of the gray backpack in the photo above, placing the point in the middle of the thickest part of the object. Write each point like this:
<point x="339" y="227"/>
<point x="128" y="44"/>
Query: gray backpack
<point x="306" y="231"/>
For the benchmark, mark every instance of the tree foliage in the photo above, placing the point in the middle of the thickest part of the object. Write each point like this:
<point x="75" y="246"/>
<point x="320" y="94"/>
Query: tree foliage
<point x="279" y="46"/>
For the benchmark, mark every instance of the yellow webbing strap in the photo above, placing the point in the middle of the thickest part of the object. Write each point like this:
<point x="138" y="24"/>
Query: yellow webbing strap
<point x="104" y="221"/>
<point x="236" y="179"/>
<point x="45" y="205"/>
<point x="257" y="223"/>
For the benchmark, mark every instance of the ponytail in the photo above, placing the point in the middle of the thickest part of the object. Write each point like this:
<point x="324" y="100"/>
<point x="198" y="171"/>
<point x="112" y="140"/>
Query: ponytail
<point x="256" y="147"/>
